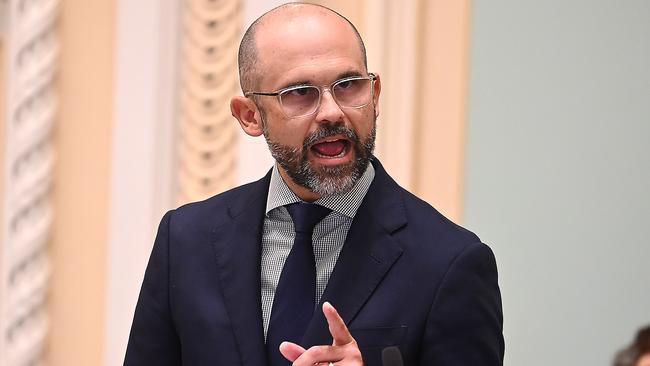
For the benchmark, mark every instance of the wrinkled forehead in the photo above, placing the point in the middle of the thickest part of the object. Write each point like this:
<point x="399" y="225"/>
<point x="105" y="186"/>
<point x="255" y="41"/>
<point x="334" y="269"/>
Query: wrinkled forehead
<point x="298" y="45"/>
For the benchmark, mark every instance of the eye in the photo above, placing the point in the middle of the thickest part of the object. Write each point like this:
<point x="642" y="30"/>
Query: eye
<point x="345" y="84"/>
<point x="300" y="96"/>
<point x="299" y="92"/>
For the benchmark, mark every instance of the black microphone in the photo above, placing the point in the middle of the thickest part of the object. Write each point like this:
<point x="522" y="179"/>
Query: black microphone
<point x="391" y="356"/>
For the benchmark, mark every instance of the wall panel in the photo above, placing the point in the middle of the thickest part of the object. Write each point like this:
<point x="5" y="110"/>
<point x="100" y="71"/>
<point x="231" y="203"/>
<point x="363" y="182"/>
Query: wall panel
<point x="81" y="183"/>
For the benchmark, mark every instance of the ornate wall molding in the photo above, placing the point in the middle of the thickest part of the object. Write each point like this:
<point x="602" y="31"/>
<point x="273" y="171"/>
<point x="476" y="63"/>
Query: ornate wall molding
<point x="31" y="107"/>
<point x="211" y="32"/>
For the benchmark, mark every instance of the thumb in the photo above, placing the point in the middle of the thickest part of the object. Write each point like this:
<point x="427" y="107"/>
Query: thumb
<point x="291" y="351"/>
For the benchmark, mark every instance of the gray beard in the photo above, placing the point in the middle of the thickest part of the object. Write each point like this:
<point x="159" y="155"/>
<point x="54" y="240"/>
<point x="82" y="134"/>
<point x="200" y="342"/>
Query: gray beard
<point x="324" y="180"/>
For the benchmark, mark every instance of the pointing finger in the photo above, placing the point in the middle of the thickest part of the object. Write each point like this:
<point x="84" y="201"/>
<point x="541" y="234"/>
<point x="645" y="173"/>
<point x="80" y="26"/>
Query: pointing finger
<point x="337" y="327"/>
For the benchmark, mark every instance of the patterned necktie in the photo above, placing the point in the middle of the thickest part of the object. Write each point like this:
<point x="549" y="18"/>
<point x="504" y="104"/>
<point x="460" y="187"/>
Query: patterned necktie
<point x="294" y="300"/>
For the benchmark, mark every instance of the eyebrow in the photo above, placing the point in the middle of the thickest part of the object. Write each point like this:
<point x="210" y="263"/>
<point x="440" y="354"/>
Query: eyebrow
<point x="305" y="82"/>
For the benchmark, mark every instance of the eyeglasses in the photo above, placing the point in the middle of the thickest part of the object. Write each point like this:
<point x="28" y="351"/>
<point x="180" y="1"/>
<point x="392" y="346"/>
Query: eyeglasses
<point x="304" y="100"/>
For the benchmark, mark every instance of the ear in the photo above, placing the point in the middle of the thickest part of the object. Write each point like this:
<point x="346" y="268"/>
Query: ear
<point x="247" y="114"/>
<point x="376" y="91"/>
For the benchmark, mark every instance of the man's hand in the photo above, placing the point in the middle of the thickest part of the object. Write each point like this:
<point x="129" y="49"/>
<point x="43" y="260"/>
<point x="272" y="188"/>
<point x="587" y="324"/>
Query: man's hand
<point x="343" y="351"/>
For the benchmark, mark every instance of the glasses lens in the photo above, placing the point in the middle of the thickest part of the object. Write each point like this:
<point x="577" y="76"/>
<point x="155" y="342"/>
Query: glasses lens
<point x="299" y="101"/>
<point x="352" y="92"/>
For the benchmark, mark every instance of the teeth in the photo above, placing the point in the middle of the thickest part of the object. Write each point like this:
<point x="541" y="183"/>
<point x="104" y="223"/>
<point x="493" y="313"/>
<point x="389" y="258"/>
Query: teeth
<point x="341" y="154"/>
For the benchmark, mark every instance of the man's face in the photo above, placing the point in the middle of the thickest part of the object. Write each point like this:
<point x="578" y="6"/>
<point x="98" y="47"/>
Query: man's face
<point x="325" y="152"/>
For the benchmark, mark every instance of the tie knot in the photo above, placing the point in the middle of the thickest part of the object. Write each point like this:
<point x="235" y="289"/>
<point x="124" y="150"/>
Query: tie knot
<point x="306" y="215"/>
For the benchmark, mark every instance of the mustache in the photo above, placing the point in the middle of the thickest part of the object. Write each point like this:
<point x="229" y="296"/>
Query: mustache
<point x="327" y="130"/>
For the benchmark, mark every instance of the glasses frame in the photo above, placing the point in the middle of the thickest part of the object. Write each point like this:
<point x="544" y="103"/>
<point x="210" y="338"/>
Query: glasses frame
<point x="321" y="89"/>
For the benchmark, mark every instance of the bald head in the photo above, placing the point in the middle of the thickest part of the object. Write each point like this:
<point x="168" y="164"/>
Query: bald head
<point x="249" y="55"/>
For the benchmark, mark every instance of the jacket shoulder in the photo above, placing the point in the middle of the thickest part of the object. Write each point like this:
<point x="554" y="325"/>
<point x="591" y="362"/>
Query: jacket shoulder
<point x="221" y="207"/>
<point x="427" y="218"/>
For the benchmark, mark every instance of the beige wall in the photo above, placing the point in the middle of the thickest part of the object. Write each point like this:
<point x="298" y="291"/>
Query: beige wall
<point x="3" y="97"/>
<point x="441" y="105"/>
<point x="353" y="10"/>
<point x="81" y="183"/>
<point x="2" y="132"/>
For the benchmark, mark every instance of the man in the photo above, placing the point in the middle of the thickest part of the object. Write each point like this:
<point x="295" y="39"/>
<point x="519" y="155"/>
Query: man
<point x="230" y="282"/>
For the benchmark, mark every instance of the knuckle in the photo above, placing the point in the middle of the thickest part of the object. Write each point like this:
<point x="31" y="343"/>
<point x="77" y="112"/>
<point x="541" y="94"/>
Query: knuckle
<point x="353" y="351"/>
<point x="318" y="352"/>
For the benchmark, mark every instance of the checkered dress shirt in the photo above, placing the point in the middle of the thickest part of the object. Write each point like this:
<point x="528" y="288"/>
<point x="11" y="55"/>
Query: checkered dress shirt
<point x="328" y="237"/>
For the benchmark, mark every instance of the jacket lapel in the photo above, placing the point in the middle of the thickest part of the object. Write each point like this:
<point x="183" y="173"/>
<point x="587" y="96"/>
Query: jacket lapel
<point x="237" y="244"/>
<point x="369" y="252"/>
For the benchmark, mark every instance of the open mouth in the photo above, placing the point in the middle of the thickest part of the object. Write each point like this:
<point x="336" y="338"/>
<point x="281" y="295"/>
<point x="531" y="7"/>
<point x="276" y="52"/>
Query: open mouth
<point x="331" y="148"/>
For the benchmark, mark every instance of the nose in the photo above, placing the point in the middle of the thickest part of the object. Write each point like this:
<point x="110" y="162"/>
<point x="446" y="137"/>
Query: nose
<point x="329" y="110"/>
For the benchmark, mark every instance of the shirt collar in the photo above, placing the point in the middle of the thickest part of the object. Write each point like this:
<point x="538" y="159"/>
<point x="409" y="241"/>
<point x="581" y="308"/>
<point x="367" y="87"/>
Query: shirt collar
<point x="347" y="203"/>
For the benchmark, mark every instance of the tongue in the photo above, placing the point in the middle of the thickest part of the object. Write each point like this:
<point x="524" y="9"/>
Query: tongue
<point x="333" y="148"/>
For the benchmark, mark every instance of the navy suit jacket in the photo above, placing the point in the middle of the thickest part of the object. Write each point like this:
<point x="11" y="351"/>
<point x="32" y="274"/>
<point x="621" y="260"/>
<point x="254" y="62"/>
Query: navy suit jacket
<point x="406" y="276"/>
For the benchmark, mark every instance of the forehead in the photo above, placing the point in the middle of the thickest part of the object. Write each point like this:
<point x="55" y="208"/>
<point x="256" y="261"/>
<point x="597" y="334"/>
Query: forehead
<point x="310" y="47"/>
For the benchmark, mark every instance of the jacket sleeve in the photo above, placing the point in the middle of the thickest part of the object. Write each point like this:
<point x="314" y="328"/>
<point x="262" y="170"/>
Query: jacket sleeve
<point x="153" y="339"/>
<point x="465" y="323"/>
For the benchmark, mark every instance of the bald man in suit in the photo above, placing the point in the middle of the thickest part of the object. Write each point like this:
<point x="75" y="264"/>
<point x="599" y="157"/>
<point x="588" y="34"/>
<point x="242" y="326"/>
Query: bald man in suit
<point x="386" y="269"/>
